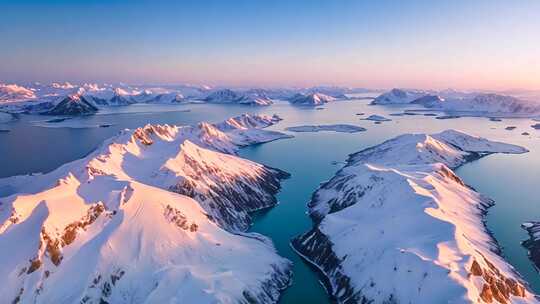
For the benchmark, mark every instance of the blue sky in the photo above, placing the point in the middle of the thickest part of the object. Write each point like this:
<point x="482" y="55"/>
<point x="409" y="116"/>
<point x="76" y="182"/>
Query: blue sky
<point x="439" y="44"/>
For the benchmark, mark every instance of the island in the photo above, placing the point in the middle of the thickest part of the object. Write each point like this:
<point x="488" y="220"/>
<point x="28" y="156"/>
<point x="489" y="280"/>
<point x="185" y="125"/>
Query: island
<point x="397" y="225"/>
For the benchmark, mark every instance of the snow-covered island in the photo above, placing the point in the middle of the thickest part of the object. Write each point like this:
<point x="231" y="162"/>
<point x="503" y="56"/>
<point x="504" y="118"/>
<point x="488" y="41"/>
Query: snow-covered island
<point x="396" y="225"/>
<point x="343" y="128"/>
<point x="233" y="97"/>
<point x="533" y="243"/>
<point x="464" y="103"/>
<point x="311" y="99"/>
<point x="154" y="214"/>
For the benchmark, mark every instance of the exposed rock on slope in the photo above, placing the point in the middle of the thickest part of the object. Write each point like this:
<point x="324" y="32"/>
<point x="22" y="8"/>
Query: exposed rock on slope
<point x="533" y="243"/>
<point x="146" y="218"/>
<point x="396" y="225"/>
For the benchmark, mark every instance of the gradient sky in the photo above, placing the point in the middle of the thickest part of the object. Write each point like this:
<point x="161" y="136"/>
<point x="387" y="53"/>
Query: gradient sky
<point x="484" y="44"/>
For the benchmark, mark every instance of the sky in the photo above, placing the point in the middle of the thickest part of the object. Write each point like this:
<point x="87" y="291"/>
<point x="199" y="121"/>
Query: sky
<point x="462" y="44"/>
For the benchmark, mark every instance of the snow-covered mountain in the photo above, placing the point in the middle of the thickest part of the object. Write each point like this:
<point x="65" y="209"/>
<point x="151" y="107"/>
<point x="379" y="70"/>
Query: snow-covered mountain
<point x="155" y="214"/>
<point x="492" y="104"/>
<point x="73" y="105"/>
<point x="477" y="104"/>
<point x="312" y="99"/>
<point x="147" y="96"/>
<point x="37" y="98"/>
<point x="233" y="97"/>
<point x="398" y="96"/>
<point x="396" y="225"/>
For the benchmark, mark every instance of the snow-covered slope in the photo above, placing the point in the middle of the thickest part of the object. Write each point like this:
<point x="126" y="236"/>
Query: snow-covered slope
<point x="110" y="241"/>
<point x="312" y="99"/>
<point x="146" y="218"/>
<point x="229" y="96"/>
<point x="192" y="160"/>
<point x="396" y="225"/>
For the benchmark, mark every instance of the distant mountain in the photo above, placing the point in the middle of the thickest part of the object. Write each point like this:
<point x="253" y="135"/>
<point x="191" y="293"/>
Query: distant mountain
<point x="167" y="98"/>
<point x="312" y="99"/>
<point x="73" y="105"/>
<point x="429" y="101"/>
<point x="493" y="103"/>
<point x="13" y="92"/>
<point x="234" y="97"/>
<point x="398" y="96"/>
<point x="476" y="104"/>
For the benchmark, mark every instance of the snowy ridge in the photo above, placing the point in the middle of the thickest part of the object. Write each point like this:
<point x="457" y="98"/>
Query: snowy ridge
<point x="396" y="225"/>
<point x="192" y="160"/>
<point x="145" y="218"/>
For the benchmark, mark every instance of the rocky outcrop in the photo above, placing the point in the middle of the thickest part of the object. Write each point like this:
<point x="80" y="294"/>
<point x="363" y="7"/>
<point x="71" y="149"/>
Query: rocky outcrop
<point x="533" y="243"/>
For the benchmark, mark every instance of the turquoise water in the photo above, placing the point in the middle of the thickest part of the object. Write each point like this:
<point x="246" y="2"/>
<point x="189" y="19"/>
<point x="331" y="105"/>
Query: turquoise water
<point x="509" y="179"/>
